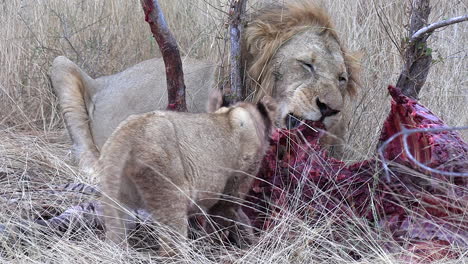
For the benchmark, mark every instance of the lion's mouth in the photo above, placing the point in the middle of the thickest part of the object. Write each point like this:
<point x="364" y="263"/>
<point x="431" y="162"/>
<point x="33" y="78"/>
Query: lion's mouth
<point x="293" y="122"/>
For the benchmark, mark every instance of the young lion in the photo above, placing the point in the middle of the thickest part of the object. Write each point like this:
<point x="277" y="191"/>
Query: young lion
<point x="174" y="164"/>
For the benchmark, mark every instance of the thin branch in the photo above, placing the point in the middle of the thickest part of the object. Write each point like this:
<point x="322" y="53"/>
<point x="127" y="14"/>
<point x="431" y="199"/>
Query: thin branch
<point x="170" y="52"/>
<point x="429" y="29"/>
<point x="387" y="27"/>
<point x="215" y="8"/>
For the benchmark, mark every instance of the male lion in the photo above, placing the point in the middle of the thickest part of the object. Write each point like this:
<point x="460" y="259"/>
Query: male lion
<point x="290" y="52"/>
<point x="170" y="164"/>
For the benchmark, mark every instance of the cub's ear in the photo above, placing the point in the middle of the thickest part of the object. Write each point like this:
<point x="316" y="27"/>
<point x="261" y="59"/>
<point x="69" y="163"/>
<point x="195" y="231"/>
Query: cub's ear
<point x="269" y="104"/>
<point x="268" y="108"/>
<point x="215" y="100"/>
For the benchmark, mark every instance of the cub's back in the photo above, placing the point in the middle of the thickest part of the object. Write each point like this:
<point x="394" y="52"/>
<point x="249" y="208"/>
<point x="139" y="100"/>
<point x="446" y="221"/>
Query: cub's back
<point x="204" y="138"/>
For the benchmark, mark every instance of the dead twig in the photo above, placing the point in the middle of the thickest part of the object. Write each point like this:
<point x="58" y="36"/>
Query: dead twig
<point x="170" y="53"/>
<point x="384" y="20"/>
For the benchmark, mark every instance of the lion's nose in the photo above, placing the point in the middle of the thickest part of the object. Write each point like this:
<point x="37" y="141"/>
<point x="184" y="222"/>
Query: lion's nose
<point x="326" y="110"/>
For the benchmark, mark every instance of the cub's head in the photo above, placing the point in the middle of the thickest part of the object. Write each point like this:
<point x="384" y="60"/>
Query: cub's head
<point x="293" y="54"/>
<point x="246" y="115"/>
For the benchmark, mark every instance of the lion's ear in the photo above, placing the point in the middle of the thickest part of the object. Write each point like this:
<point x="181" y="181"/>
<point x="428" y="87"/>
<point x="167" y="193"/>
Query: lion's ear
<point x="353" y="66"/>
<point x="269" y="103"/>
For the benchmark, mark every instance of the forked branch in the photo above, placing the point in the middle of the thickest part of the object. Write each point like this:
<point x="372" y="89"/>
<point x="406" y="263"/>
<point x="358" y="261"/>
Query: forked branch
<point x="170" y="53"/>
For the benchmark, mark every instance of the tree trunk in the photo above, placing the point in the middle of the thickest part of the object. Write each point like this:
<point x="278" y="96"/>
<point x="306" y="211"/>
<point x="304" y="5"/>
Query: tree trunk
<point x="416" y="55"/>
<point x="235" y="91"/>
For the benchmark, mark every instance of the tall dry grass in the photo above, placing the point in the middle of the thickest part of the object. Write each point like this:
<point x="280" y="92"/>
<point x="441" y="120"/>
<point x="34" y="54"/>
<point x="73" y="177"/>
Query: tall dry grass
<point x="102" y="37"/>
<point x="106" y="36"/>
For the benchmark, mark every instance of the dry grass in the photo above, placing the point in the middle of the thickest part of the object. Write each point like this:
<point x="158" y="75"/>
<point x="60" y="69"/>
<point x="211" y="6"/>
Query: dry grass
<point x="106" y="36"/>
<point x="34" y="164"/>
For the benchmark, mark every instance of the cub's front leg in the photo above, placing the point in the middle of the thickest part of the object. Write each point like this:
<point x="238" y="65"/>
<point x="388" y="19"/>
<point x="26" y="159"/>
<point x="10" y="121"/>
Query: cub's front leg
<point x="227" y="213"/>
<point x="166" y="199"/>
<point x="232" y="219"/>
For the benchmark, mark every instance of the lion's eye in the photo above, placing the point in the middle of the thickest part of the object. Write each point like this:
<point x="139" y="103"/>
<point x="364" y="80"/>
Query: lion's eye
<point x="308" y="66"/>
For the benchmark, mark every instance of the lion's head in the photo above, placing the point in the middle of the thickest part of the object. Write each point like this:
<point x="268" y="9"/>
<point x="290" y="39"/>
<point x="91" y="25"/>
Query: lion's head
<point x="293" y="53"/>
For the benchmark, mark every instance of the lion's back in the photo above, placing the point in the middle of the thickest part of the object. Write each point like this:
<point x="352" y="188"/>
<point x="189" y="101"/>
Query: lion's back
<point x="141" y="89"/>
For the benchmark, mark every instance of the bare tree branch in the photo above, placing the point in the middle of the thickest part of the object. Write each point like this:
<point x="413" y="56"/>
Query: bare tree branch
<point x="429" y="29"/>
<point x="236" y="27"/>
<point x="170" y="52"/>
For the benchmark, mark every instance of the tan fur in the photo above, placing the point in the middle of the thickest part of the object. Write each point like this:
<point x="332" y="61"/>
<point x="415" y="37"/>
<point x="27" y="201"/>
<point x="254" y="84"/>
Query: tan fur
<point x="75" y="114"/>
<point x="275" y="39"/>
<point x="173" y="165"/>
